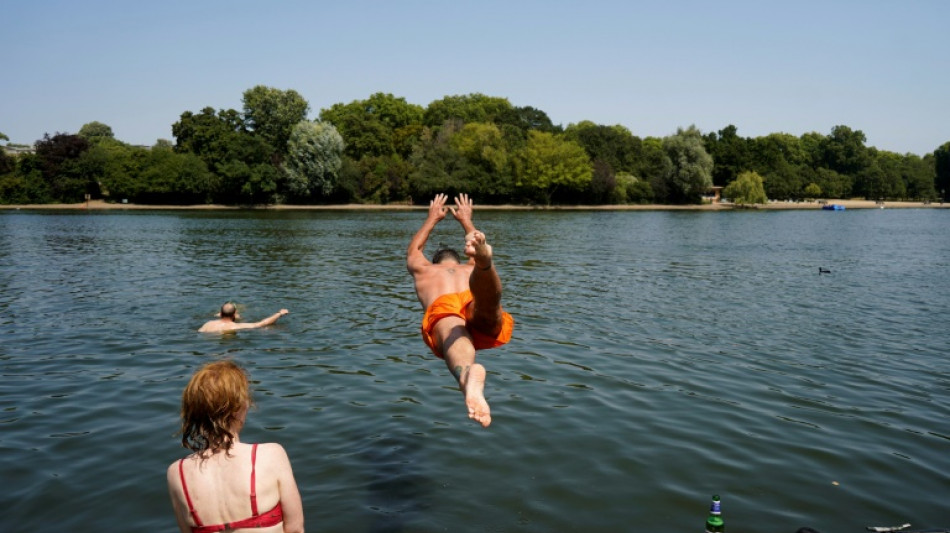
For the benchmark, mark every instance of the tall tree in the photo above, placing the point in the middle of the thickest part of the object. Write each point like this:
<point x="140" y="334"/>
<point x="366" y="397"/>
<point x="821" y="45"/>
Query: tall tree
<point x="486" y="170"/>
<point x="381" y="125"/>
<point x="844" y="152"/>
<point x="95" y="131"/>
<point x="525" y="119"/>
<point x="549" y="165"/>
<point x="730" y="154"/>
<point x="746" y="189"/>
<point x="782" y="162"/>
<point x="272" y="114"/>
<point x="208" y="134"/>
<point x="59" y="158"/>
<point x="612" y="145"/>
<point x="942" y="170"/>
<point x="314" y="158"/>
<point x="474" y="107"/>
<point x="170" y="177"/>
<point x="655" y="168"/>
<point x="692" y="165"/>
<point x="919" y="176"/>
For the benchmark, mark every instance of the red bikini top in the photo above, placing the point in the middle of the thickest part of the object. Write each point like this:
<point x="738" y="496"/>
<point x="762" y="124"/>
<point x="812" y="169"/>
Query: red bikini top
<point x="268" y="519"/>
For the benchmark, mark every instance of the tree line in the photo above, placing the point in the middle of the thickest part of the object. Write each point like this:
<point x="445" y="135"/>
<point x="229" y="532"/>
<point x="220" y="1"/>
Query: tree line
<point x="386" y="150"/>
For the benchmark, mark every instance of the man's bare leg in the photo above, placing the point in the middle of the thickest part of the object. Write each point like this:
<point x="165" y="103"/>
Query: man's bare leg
<point x="484" y="284"/>
<point x="459" y="353"/>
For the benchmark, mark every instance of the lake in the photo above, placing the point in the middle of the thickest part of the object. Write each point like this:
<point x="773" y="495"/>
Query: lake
<point x="659" y="357"/>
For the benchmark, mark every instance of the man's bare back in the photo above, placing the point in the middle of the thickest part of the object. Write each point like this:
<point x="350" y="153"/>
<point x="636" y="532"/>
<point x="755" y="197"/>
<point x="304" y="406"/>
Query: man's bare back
<point x="435" y="280"/>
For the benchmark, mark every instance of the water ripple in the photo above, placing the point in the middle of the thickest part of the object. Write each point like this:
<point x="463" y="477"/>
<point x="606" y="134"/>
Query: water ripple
<point x="658" y="358"/>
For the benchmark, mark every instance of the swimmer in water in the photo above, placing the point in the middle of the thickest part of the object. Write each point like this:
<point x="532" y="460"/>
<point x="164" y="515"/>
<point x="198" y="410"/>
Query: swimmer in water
<point x="462" y="302"/>
<point x="229" y="317"/>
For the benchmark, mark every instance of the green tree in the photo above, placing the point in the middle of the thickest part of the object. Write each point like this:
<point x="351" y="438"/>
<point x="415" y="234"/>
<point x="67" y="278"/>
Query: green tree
<point x="747" y="188"/>
<point x="812" y="191"/>
<point x="119" y="168"/>
<point x="782" y="162"/>
<point x="548" y="165"/>
<point x="314" y="158"/>
<point x="7" y="163"/>
<point x="844" y="152"/>
<point x="272" y="114"/>
<point x="483" y="145"/>
<point x="437" y="165"/>
<point x="942" y="170"/>
<point x="692" y="165"/>
<point x="95" y="131"/>
<point x="25" y="185"/>
<point x="730" y="154"/>
<point x="59" y="161"/>
<point x="207" y="134"/>
<point x="918" y="175"/>
<point x="380" y="125"/>
<point x="170" y="177"/>
<point x="614" y="145"/>
<point x="635" y="190"/>
<point x="832" y="184"/>
<point x="248" y="175"/>
<point x="655" y="168"/>
<point x="474" y="107"/>
<point x="524" y="119"/>
<point x="603" y="186"/>
<point x="383" y="179"/>
<point x="243" y="162"/>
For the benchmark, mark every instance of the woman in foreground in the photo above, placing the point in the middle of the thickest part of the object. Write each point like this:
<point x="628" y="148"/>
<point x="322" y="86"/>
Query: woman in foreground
<point x="226" y="485"/>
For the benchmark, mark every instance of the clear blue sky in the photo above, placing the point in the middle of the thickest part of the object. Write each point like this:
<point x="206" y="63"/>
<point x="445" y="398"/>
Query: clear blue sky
<point x="882" y="67"/>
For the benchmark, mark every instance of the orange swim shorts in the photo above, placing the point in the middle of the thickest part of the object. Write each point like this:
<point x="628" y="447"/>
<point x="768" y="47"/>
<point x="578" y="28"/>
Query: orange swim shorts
<point x="457" y="305"/>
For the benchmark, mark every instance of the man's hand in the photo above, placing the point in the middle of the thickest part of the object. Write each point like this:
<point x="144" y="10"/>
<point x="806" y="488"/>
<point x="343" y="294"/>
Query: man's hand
<point x="463" y="212"/>
<point x="437" y="207"/>
<point x="283" y="312"/>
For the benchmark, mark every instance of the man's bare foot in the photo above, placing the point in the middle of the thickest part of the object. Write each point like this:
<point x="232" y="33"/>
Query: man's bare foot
<point x="474" y="391"/>
<point x="477" y="248"/>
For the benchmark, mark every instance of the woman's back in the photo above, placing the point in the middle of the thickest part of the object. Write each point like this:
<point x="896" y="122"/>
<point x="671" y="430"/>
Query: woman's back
<point x="226" y="485"/>
<point x="217" y="489"/>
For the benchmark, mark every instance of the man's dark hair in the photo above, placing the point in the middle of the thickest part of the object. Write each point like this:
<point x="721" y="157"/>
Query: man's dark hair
<point x="445" y="253"/>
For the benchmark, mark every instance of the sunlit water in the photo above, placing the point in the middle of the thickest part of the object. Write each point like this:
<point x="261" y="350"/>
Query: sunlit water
<point x="658" y="358"/>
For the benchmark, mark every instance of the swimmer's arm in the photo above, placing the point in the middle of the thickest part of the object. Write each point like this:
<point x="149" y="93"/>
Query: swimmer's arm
<point x="266" y="322"/>
<point x="415" y="258"/>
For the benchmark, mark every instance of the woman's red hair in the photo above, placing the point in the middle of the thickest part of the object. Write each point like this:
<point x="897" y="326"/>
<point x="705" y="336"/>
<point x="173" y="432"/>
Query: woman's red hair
<point x="211" y="404"/>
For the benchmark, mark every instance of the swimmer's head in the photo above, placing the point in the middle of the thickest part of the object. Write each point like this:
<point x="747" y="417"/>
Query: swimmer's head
<point x="228" y="310"/>
<point x="214" y="405"/>
<point x="445" y="254"/>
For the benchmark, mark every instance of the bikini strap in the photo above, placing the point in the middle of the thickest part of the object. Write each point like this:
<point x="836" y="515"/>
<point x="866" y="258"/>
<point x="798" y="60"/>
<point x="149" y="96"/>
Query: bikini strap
<point x="253" y="481"/>
<point x="184" y="488"/>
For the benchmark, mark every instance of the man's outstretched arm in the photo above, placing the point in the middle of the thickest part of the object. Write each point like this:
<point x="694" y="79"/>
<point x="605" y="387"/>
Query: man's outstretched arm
<point x="270" y="320"/>
<point x="415" y="258"/>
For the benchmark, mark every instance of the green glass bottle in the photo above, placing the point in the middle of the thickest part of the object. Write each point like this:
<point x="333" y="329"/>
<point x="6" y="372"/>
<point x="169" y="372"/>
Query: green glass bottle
<point x="714" y="523"/>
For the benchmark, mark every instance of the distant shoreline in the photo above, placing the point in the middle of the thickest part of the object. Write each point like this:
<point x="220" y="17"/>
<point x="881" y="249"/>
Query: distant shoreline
<point x="100" y="205"/>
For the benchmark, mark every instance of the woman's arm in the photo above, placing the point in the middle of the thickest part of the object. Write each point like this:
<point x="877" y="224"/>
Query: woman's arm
<point x="174" y="487"/>
<point x="290" y="501"/>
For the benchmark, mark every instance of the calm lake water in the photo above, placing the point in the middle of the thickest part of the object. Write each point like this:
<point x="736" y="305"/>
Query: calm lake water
<point x="658" y="358"/>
